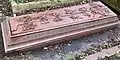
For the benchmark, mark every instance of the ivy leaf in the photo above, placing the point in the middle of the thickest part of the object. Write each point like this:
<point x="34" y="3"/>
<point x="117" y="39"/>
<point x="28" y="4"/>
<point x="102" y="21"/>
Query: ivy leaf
<point x="117" y="55"/>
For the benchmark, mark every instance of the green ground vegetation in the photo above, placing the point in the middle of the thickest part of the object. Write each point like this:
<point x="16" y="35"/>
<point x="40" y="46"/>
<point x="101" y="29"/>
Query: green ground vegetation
<point x="113" y="57"/>
<point x="113" y="3"/>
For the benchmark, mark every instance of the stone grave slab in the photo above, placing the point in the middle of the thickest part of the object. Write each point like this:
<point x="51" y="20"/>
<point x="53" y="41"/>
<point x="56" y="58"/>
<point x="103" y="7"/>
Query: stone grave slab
<point x="54" y="26"/>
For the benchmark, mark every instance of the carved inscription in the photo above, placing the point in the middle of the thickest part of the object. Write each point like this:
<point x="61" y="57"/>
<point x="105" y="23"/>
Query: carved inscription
<point x="28" y="24"/>
<point x="57" y="17"/>
<point x="44" y="20"/>
<point x="98" y="9"/>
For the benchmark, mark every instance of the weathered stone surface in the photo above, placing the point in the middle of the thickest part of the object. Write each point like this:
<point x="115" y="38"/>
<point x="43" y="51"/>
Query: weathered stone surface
<point x="54" y="26"/>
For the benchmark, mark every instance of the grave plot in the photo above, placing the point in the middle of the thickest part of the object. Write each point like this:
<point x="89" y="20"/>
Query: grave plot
<point x="54" y="26"/>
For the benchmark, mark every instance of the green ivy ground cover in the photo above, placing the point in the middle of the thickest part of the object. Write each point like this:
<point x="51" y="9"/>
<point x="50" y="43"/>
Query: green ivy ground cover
<point x="113" y="57"/>
<point x="114" y="4"/>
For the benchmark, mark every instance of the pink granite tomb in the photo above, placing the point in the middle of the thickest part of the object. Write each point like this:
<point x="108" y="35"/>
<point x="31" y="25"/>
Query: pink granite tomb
<point x="53" y="26"/>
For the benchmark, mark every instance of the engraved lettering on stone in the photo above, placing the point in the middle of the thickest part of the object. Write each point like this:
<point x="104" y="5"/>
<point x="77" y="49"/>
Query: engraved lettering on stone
<point x="87" y="14"/>
<point x="71" y="12"/>
<point x="98" y="9"/>
<point x="44" y="20"/>
<point x="28" y="24"/>
<point x="90" y="11"/>
<point x="74" y="17"/>
<point x="82" y="9"/>
<point x="58" y="18"/>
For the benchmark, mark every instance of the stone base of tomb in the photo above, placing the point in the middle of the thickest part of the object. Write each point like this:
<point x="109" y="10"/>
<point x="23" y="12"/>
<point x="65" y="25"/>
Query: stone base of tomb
<point x="54" y="26"/>
<point x="58" y="38"/>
